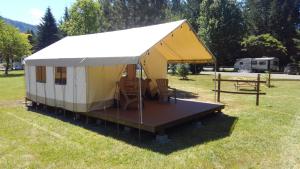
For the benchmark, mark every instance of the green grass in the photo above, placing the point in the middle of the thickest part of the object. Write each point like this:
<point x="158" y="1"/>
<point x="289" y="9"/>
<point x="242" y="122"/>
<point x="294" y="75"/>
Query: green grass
<point x="246" y="136"/>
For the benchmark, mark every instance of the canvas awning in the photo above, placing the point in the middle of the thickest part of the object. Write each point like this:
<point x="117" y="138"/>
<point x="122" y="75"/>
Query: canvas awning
<point x="176" y="41"/>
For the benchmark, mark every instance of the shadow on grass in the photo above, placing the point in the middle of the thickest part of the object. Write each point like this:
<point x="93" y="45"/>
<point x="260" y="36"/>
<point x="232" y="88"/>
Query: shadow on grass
<point x="188" y="79"/>
<point x="181" y="94"/>
<point x="214" y="127"/>
<point x="11" y="75"/>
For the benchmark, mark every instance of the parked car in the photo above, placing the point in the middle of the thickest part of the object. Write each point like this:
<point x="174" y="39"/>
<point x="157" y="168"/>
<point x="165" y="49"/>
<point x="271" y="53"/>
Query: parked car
<point x="257" y="64"/>
<point x="17" y="66"/>
<point x="292" y="69"/>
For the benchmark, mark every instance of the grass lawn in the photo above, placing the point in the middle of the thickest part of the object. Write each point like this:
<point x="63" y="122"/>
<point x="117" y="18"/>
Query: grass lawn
<point x="245" y="136"/>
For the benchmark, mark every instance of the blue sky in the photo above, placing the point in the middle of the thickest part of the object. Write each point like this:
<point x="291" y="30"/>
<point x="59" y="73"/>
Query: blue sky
<point x="31" y="11"/>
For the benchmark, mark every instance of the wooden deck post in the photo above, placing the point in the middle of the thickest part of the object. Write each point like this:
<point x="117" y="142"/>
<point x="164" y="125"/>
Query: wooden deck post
<point x="219" y="87"/>
<point x="257" y="89"/>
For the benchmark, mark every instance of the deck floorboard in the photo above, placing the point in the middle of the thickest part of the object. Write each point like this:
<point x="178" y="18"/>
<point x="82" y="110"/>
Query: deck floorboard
<point x="158" y="116"/>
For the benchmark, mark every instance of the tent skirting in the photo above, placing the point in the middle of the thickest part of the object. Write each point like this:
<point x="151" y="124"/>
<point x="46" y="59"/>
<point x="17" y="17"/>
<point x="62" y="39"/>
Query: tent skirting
<point x="75" y="107"/>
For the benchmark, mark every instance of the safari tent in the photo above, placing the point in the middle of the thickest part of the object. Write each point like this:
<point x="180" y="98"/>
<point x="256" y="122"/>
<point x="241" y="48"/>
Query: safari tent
<point x="79" y="73"/>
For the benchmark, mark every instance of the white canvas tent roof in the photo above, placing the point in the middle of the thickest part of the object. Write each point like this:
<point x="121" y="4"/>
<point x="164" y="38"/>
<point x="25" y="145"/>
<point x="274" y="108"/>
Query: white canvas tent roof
<point x="176" y="41"/>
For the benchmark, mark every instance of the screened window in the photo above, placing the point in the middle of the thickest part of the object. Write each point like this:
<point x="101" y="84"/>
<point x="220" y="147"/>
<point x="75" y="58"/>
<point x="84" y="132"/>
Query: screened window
<point x="61" y="75"/>
<point x="41" y="74"/>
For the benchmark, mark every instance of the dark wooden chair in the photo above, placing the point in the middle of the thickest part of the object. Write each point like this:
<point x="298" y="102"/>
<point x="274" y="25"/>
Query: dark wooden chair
<point x="164" y="91"/>
<point x="146" y="87"/>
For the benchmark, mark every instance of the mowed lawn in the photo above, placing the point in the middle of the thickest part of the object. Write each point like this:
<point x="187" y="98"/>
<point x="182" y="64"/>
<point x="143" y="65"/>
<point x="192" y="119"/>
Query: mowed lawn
<point x="244" y="136"/>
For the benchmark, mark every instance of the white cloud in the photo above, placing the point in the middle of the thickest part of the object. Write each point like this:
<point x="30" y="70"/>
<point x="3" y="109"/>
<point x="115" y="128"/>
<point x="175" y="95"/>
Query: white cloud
<point x="36" y="15"/>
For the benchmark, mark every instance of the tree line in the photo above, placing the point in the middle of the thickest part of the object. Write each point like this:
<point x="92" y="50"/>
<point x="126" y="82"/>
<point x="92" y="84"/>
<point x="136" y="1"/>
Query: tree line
<point x="230" y="28"/>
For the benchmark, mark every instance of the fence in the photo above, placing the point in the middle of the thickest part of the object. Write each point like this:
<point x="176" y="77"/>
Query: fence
<point x="256" y="83"/>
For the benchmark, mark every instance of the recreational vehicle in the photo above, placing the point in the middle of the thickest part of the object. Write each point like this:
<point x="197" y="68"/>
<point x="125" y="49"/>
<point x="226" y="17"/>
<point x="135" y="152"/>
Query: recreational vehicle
<point x="257" y="64"/>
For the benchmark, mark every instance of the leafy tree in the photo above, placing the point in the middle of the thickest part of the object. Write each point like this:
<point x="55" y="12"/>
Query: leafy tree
<point x="172" y="68"/>
<point x="32" y="39"/>
<point x="221" y="26"/>
<point x="13" y="44"/>
<point x="264" y="45"/>
<point x="183" y="71"/>
<point x="47" y="31"/>
<point x="277" y="17"/>
<point x="86" y="16"/>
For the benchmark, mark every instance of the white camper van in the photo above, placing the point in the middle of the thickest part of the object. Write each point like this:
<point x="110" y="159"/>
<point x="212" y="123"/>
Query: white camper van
<point x="257" y="64"/>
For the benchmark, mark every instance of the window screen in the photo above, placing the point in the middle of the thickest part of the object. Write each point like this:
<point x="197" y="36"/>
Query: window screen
<point x="41" y="74"/>
<point x="61" y="75"/>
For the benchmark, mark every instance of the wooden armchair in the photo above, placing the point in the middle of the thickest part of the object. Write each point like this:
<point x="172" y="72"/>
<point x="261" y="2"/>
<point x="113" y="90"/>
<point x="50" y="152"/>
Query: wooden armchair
<point x="164" y="91"/>
<point x="128" y="92"/>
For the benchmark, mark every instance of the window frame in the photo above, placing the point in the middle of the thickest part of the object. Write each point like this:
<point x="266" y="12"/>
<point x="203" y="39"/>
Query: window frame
<point x="41" y="74"/>
<point x="60" y="76"/>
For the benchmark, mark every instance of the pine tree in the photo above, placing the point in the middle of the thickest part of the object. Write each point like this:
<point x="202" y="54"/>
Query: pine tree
<point x="284" y="17"/>
<point x="47" y="31"/>
<point x="66" y="18"/>
<point x="277" y="17"/>
<point x="123" y="14"/>
<point x="66" y="15"/>
<point x="191" y="12"/>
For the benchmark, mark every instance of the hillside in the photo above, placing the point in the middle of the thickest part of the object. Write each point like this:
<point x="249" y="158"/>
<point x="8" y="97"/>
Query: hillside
<point x="23" y="27"/>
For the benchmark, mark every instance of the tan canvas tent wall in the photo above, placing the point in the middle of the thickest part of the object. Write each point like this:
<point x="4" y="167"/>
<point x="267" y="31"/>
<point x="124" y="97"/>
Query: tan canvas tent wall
<point x="95" y="63"/>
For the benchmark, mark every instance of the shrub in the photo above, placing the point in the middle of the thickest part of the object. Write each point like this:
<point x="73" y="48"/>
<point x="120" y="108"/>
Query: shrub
<point x="183" y="71"/>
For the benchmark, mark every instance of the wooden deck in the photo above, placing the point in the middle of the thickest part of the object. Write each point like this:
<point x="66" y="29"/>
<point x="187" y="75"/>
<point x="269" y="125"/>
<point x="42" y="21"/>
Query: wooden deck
<point x="158" y="116"/>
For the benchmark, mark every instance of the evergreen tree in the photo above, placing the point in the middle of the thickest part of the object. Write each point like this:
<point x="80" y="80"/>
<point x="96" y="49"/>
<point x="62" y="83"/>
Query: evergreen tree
<point x="123" y="14"/>
<point x="47" y="31"/>
<point x="277" y="17"/>
<point x="65" y="19"/>
<point x="66" y="15"/>
<point x="174" y="10"/>
<point x="221" y="26"/>
<point x="191" y="12"/>
<point x="257" y="14"/>
<point x="284" y="17"/>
